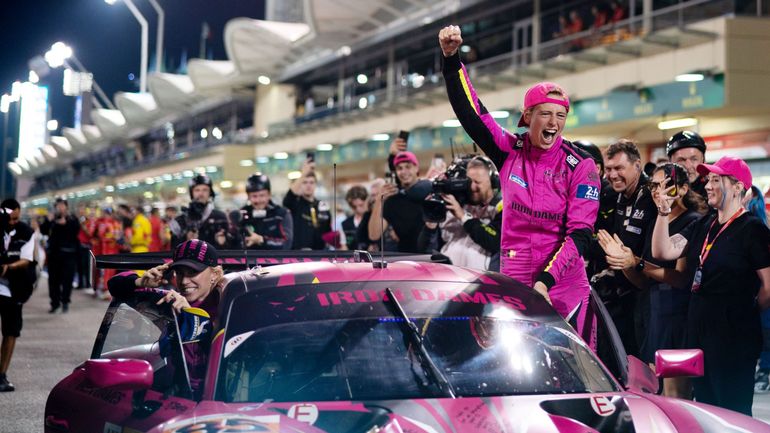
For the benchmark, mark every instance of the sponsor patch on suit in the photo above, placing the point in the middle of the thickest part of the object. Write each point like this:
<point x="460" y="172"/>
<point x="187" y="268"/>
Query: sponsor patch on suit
<point x="588" y="192"/>
<point x="516" y="179"/>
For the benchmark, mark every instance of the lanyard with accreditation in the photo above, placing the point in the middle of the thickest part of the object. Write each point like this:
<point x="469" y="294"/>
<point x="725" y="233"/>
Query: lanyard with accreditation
<point x="706" y="249"/>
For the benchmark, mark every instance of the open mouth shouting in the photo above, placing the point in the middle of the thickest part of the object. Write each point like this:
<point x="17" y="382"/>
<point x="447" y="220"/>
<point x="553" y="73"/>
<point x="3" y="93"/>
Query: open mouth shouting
<point x="549" y="135"/>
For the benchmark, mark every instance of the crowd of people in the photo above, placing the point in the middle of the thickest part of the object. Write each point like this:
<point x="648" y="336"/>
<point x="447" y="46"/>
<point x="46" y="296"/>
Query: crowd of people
<point x="679" y="253"/>
<point x="680" y="256"/>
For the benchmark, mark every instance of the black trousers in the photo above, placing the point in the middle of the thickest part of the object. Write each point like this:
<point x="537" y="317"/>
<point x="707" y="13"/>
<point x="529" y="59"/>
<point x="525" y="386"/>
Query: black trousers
<point x="84" y="259"/>
<point x="61" y="271"/>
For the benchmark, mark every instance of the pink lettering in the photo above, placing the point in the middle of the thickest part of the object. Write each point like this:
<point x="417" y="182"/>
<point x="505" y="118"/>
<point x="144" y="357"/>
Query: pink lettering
<point x="493" y="297"/>
<point x="397" y="292"/>
<point x="338" y="297"/>
<point x="477" y="298"/>
<point x="515" y="303"/>
<point x="322" y="299"/>
<point x="423" y="295"/>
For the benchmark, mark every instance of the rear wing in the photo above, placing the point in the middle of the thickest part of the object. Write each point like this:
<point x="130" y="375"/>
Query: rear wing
<point x="238" y="260"/>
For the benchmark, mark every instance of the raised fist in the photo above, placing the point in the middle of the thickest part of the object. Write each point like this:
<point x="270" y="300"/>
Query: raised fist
<point x="450" y="39"/>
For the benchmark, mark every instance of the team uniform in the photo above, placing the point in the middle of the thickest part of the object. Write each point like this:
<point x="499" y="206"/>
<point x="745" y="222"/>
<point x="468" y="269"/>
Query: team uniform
<point x="551" y="200"/>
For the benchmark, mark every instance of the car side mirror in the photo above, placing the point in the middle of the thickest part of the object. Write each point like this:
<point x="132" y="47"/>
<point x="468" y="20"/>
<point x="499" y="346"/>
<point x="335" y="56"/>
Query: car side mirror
<point x="679" y="363"/>
<point x="123" y="374"/>
<point x="641" y="377"/>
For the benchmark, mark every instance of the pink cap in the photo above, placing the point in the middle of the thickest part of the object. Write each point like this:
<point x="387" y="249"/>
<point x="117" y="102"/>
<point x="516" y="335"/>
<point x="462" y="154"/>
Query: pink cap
<point x="728" y="166"/>
<point x="538" y="94"/>
<point x="405" y="156"/>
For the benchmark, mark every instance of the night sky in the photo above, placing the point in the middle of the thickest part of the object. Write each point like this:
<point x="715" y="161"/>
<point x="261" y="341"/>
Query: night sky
<point x="106" y="39"/>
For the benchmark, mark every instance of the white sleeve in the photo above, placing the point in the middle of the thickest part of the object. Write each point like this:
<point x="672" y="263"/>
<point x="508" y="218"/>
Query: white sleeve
<point x="28" y="250"/>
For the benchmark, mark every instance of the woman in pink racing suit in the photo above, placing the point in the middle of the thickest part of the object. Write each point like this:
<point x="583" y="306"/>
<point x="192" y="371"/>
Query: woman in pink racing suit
<point x="550" y="189"/>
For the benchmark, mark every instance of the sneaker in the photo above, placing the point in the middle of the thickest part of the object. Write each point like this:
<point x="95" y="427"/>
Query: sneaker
<point x="65" y="308"/>
<point x="5" y="386"/>
<point x="89" y="291"/>
<point x="762" y="382"/>
<point x="53" y="309"/>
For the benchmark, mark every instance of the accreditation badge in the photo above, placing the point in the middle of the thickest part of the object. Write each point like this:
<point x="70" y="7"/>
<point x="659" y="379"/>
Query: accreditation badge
<point x="697" y="280"/>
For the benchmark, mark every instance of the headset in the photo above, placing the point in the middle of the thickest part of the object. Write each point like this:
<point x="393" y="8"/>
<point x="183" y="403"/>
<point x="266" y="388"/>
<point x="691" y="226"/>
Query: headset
<point x="494" y="175"/>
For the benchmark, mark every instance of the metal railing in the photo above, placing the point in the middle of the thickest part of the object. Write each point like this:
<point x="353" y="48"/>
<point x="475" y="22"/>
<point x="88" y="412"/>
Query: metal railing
<point x="636" y="25"/>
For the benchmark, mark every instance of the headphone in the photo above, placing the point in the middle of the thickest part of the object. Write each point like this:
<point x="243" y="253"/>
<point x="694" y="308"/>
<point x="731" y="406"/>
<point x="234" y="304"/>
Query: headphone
<point x="494" y="175"/>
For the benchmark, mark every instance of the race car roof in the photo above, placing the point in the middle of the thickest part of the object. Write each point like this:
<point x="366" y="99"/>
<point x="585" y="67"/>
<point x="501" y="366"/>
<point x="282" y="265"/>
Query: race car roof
<point x="307" y="286"/>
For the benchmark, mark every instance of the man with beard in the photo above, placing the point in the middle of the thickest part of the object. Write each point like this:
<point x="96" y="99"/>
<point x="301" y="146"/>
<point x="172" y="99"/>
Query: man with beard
<point x="470" y="234"/>
<point x="688" y="149"/>
<point x="201" y="220"/>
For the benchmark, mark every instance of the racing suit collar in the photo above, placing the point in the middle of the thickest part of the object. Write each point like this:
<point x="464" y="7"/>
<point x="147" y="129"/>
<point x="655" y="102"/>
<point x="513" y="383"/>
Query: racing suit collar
<point x="538" y="151"/>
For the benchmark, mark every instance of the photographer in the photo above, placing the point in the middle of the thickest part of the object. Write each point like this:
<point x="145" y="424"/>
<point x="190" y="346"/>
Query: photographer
<point x="400" y="207"/>
<point x="466" y="225"/>
<point x="263" y="224"/>
<point x="200" y="220"/>
<point x="17" y="277"/>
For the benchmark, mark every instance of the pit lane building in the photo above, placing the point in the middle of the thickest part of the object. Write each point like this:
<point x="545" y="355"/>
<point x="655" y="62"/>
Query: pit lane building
<point x="341" y="77"/>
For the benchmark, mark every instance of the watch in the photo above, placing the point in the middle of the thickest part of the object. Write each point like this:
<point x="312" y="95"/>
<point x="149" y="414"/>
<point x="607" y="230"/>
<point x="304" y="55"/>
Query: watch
<point x="640" y="266"/>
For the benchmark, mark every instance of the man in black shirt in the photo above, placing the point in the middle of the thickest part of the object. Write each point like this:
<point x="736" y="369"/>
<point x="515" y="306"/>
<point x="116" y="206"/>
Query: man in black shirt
<point x="63" y="245"/>
<point x="263" y="224"/>
<point x="688" y="149"/>
<point x="608" y="200"/>
<point x="402" y="207"/>
<point x="635" y="212"/>
<point x="357" y="200"/>
<point x="312" y="217"/>
<point x="201" y="220"/>
<point x="16" y="280"/>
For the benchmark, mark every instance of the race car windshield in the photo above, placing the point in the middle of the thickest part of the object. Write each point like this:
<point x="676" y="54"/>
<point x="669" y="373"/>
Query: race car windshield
<point x="367" y="359"/>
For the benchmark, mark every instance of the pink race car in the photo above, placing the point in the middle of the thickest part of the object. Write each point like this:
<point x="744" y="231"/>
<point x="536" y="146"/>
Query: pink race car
<point x="338" y="346"/>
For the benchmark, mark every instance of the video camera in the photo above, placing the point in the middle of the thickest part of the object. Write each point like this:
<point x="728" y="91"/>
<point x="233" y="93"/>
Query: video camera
<point x="454" y="181"/>
<point x="194" y="215"/>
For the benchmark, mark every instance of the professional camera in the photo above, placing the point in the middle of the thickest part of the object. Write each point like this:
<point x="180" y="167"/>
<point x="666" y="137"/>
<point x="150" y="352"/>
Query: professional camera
<point x="454" y="181"/>
<point x="194" y="215"/>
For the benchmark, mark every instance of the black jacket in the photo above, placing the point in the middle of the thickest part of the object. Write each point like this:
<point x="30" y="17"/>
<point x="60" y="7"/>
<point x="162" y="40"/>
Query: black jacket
<point x="274" y="224"/>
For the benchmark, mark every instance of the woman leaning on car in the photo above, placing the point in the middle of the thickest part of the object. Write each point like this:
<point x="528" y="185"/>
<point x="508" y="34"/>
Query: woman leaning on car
<point x="195" y="297"/>
<point x="728" y="260"/>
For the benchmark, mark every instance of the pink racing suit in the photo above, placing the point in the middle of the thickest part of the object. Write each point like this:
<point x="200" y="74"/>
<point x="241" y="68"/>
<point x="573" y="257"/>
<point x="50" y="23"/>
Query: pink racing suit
<point x="550" y="197"/>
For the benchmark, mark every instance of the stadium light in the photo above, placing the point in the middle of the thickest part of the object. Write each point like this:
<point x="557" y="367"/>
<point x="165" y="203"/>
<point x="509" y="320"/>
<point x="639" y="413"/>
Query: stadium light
<point x="677" y="123"/>
<point x="145" y="40"/>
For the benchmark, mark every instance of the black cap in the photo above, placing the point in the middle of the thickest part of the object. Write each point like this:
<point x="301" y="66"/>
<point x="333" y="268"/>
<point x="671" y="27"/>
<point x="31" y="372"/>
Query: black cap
<point x="257" y="182"/>
<point x="201" y="179"/>
<point x="195" y="254"/>
<point x="685" y="139"/>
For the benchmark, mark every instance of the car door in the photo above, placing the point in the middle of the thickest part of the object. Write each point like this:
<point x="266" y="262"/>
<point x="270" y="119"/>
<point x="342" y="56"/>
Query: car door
<point x="614" y="357"/>
<point x="133" y="328"/>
